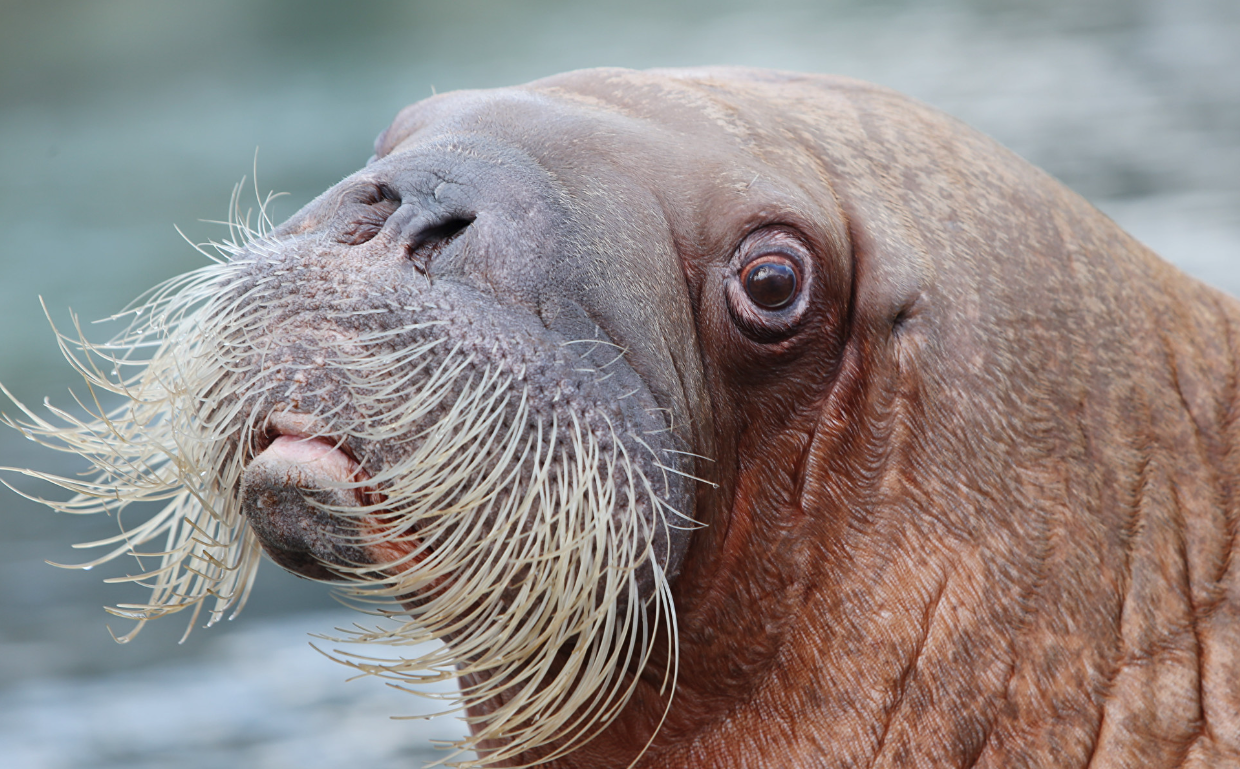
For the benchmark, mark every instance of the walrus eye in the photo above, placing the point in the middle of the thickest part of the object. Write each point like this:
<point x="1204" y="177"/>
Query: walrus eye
<point x="770" y="281"/>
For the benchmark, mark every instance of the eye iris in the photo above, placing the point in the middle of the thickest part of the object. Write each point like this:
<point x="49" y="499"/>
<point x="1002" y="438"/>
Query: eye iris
<point x="771" y="285"/>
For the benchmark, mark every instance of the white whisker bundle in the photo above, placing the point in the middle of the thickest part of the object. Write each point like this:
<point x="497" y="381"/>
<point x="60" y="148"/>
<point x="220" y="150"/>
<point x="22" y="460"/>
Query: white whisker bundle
<point x="491" y="505"/>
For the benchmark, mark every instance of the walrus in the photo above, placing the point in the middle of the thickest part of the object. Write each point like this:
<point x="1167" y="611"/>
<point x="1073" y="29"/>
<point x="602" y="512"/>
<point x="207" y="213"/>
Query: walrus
<point x="709" y="418"/>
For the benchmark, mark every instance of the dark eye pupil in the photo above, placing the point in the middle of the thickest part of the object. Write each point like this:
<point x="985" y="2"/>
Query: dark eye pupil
<point x="771" y="285"/>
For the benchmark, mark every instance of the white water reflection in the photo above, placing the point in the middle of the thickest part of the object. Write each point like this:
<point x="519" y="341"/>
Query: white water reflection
<point x="261" y="697"/>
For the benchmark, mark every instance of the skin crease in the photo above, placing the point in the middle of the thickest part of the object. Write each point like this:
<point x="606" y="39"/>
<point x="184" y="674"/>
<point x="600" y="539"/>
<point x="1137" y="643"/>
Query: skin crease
<point x="977" y="507"/>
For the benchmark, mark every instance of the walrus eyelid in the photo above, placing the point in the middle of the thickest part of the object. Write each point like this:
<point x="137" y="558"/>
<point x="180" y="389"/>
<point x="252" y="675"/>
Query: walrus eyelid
<point x="901" y="317"/>
<point x="769" y="278"/>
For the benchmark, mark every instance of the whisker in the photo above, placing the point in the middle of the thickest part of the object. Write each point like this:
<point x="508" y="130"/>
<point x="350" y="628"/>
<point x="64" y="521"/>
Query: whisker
<point x="516" y="527"/>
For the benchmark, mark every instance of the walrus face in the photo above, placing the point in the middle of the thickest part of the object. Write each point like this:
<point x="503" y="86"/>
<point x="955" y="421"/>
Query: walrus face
<point x="472" y="379"/>
<point x="463" y="337"/>
<point x="466" y="379"/>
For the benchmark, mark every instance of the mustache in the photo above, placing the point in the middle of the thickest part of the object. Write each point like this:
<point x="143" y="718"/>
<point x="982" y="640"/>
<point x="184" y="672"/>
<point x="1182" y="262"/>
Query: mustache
<point x="526" y="529"/>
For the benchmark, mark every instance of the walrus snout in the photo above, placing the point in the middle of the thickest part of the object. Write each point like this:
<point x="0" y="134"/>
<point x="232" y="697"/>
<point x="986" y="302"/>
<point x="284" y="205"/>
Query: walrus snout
<point x="289" y="492"/>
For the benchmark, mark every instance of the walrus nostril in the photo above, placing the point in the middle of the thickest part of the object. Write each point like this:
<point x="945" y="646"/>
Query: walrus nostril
<point x="427" y="243"/>
<point x="378" y="203"/>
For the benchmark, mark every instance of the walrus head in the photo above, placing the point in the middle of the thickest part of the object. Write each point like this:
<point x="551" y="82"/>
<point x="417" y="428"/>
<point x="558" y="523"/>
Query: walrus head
<point x="780" y="393"/>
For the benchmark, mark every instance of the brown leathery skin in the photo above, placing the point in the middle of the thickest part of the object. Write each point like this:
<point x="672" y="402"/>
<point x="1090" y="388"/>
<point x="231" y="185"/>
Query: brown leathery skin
<point x="981" y="511"/>
<point x="969" y="498"/>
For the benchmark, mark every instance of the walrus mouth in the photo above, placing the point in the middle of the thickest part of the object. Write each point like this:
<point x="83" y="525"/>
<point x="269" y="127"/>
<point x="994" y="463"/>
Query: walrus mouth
<point x="310" y="502"/>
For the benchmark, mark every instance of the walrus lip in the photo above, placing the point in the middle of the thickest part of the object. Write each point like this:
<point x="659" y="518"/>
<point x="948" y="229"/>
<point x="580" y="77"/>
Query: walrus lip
<point x="295" y="424"/>
<point x="291" y="492"/>
<point x="293" y="440"/>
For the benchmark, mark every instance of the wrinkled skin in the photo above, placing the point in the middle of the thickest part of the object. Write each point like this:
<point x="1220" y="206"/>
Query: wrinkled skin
<point x="972" y="501"/>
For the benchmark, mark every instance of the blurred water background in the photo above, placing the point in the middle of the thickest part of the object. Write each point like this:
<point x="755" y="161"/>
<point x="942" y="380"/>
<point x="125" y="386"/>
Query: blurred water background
<point x="121" y="118"/>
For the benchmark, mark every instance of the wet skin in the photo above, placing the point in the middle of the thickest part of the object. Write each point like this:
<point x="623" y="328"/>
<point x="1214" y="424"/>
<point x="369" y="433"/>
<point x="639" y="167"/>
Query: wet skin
<point x="969" y="455"/>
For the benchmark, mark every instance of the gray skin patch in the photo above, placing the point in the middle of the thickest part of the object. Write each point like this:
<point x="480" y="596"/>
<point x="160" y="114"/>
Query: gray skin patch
<point x="473" y="252"/>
